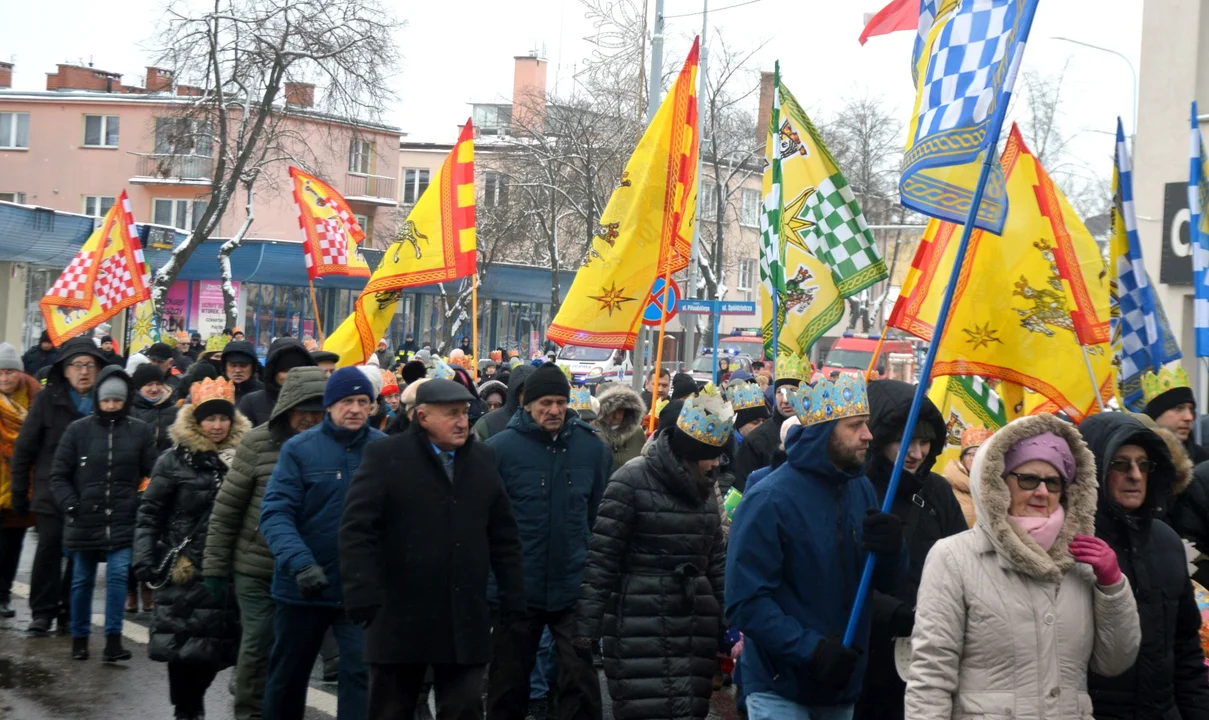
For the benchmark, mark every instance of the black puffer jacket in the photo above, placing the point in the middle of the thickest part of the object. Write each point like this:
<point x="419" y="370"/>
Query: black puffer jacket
<point x="188" y="625"/>
<point x="1189" y="516"/>
<point x="654" y="587"/>
<point x="159" y="416"/>
<point x="757" y="449"/>
<point x="99" y="465"/>
<point x="925" y="502"/>
<point x="1168" y="681"/>
<point x="258" y="406"/>
<point x="495" y="421"/>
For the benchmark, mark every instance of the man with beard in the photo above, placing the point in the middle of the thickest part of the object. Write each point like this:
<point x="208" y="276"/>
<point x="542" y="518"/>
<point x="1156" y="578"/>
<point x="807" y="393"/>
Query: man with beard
<point x="796" y="551"/>
<point x="758" y="448"/>
<point x="929" y="511"/>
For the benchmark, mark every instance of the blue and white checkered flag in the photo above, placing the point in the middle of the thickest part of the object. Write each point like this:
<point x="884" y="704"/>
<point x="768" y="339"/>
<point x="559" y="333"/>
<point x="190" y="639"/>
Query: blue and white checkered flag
<point x="1142" y="337"/>
<point x="1198" y="199"/>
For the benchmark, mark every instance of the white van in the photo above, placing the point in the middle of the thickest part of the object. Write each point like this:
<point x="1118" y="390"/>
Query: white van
<point x="590" y="365"/>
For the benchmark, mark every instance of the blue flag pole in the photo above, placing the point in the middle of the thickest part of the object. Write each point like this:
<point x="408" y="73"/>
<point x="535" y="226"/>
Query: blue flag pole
<point x="942" y="318"/>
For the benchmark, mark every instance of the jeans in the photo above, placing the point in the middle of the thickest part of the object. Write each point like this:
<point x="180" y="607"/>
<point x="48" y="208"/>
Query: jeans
<point x="255" y="643"/>
<point x="770" y="706"/>
<point x="299" y="633"/>
<point x="545" y="670"/>
<point x="84" y="578"/>
<point x="577" y="695"/>
<point x="50" y="582"/>
<point x="11" y="542"/>
<point x="396" y="690"/>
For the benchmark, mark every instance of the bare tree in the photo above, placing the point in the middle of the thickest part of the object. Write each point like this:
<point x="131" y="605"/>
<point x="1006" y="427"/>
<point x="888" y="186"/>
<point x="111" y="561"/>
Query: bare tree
<point x="238" y="57"/>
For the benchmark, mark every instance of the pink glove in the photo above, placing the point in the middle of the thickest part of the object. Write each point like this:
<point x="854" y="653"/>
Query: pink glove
<point x="737" y="650"/>
<point x="1097" y="553"/>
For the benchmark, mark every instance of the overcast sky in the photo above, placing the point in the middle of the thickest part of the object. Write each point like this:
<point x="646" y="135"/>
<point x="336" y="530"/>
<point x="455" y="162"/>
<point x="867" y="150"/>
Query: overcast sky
<point x="458" y="51"/>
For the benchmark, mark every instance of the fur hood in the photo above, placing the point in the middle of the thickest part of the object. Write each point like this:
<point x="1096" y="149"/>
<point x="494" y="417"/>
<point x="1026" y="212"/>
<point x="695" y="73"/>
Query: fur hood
<point x="992" y="499"/>
<point x="186" y="432"/>
<point x="619" y="397"/>
<point x="1179" y="456"/>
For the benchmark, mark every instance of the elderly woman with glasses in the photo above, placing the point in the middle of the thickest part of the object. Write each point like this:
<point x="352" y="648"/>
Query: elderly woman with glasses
<point x="1012" y="615"/>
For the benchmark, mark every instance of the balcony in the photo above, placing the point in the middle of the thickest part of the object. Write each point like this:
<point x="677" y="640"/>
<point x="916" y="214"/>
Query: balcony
<point x="160" y="169"/>
<point x="370" y="189"/>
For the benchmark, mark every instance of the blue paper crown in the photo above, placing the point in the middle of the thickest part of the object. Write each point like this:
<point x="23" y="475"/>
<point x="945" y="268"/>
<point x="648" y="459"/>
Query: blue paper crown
<point x="828" y="400"/>
<point x="746" y="395"/>
<point x="581" y="399"/>
<point x="707" y="418"/>
<point x="441" y="369"/>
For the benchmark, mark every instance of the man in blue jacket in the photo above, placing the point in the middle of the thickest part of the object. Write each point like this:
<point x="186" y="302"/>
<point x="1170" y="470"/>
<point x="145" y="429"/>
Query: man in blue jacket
<point x="300" y="521"/>
<point x="797" y="547"/>
<point x="554" y="468"/>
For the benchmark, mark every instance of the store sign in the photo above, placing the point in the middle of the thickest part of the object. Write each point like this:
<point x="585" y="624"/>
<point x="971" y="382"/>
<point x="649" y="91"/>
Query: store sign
<point x="1176" y="267"/>
<point x="195" y="306"/>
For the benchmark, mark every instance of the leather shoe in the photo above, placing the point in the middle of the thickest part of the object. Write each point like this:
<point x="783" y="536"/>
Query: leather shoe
<point x="40" y="625"/>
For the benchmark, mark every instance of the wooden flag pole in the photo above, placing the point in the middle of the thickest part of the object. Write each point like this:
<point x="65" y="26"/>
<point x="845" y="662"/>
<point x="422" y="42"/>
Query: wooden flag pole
<point x="877" y="351"/>
<point x="667" y="294"/>
<point x="315" y="304"/>
<point x="474" y="326"/>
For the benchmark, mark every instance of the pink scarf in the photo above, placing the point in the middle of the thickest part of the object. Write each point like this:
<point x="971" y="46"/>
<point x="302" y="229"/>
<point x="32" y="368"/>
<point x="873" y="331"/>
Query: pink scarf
<point x="1044" y="530"/>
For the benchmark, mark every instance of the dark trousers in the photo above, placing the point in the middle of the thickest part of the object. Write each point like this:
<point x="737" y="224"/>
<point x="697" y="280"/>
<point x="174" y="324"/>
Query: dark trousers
<point x="396" y="690"/>
<point x="187" y="685"/>
<point x="576" y="695"/>
<point x="11" y="542"/>
<point x="50" y="584"/>
<point x="256" y="609"/>
<point x="299" y="632"/>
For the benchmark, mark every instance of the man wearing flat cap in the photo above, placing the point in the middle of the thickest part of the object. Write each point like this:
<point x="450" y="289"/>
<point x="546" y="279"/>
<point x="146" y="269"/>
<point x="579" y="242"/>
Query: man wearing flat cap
<point x="414" y="557"/>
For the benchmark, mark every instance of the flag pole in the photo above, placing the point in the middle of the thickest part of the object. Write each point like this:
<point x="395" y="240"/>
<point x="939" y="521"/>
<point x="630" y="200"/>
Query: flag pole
<point x="1092" y="375"/>
<point x="942" y="318"/>
<point x="315" y="304"/>
<point x="877" y="351"/>
<point x="667" y="295"/>
<point x="474" y="326"/>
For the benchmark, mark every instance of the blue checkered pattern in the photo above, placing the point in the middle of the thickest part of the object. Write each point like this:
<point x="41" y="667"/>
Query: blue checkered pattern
<point x="960" y="85"/>
<point x="1198" y="198"/>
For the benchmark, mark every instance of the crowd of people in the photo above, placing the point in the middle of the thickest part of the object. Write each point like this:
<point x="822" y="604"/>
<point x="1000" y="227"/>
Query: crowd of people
<point x="485" y="533"/>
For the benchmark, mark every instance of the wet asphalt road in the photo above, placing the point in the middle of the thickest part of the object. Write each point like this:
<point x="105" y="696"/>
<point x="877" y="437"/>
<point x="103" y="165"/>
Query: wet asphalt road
<point x="40" y="681"/>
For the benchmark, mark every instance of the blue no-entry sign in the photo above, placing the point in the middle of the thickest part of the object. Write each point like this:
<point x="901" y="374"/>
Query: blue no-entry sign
<point x="660" y="300"/>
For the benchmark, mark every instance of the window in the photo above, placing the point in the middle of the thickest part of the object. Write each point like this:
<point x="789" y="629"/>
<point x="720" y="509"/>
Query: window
<point x="495" y="189"/>
<point x="360" y="152"/>
<point x="747" y="277"/>
<point x="14" y="130"/>
<point x="492" y="119"/>
<point x="101" y="131"/>
<point x="749" y="210"/>
<point x="367" y="226"/>
<point x="709" y="203"/>
<point x="415" y="182"/>
<point x="182" y="214"/>
<point x="12" y="197"/>
<point x="97" y="205"/>
<point x="182" y="136"/>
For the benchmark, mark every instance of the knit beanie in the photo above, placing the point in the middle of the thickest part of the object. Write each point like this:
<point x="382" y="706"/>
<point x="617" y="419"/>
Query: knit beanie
<point x="750" y="415"/>
<point x="1047" y="447"/>
<point x="414" y="370"/>
<point x="683" y="385"/>
<point x="548" y="379"/>
<point x="9" y="359"/>
<point x="345" y="382"/>
<point x="292" y="357"/>
<point x="374" y="374"/>
<point x="146" y="374"/>
<point x="1173" y="397"/>
<point x="113" y="388"/>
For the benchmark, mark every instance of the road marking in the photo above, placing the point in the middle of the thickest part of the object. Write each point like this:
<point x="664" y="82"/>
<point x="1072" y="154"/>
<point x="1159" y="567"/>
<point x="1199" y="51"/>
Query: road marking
<point x="321" y="700"/>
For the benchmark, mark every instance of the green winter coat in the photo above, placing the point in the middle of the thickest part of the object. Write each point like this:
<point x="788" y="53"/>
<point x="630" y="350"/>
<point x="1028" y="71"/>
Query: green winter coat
<point x="233" y="537"/>
<point x="627" y="439"/>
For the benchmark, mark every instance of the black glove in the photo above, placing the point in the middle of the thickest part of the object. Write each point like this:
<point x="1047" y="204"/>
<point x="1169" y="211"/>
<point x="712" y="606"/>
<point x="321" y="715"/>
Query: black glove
<point x="902" y="622"/>
<point x="833" y="664"/>
<point x="144" y="573"/>
<point x="883" y="533"/>
<point x="312" y="581"/>
<point x="363" y="616"/>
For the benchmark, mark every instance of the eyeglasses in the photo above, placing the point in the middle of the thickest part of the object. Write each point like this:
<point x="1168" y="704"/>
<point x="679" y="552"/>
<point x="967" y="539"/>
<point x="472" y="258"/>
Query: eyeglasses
<point x="1124" y="465"/>
<point x="1031" y="482"/>
<point x="81" y="366"/>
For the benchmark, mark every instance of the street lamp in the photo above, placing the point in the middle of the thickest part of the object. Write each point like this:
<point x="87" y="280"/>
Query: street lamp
<point x="1132" y="71"/>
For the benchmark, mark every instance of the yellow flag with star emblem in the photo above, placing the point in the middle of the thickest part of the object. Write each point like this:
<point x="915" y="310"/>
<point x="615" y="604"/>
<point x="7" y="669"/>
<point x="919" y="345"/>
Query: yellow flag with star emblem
<point x="826" y="248"/>
<point x="645" y="231"/>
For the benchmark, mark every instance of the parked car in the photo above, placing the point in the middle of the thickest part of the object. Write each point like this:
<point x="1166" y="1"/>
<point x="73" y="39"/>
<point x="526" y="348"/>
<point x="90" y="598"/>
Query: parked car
<point x="852" y="353"/>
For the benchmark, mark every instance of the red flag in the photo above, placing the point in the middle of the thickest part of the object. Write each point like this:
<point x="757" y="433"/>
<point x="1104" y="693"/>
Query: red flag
<point x="898" y="15"/>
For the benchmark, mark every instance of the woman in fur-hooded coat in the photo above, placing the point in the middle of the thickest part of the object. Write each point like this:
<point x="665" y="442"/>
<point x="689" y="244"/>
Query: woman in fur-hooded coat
<point x="189" y="625"/>
<point x="620" y="423"/>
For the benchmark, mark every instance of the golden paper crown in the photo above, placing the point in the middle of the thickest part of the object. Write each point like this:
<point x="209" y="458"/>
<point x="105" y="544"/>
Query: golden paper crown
<point x="973" y="436"/>
<point x="828" y="400"/>
<point x="792" y="367"/>
<point x="707" y="417"/>
<point x="581" y="399"/>
<point x="389" y="380"/>
<point x="746" y="395"/>
<point x="441" y="369"/>
<point x="215" y="343"/>
<point x="1167" y="379"/>
<point x="211" y="389"/>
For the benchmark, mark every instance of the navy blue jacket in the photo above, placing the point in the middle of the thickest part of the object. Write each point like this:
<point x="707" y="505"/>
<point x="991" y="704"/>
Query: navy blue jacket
<point x="303" y="501"/>
<point x="555" y="484"/>
<point x="792" y="569"/>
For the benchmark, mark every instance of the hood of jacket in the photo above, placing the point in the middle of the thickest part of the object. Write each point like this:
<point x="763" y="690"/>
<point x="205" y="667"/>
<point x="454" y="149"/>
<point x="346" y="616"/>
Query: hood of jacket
<point x="807" y="453"/>
<point x="671" y="471"/>
<point x="280" y="348"/>
<point x="71" y="348"/>
<point x="186" y="432"/>
<point x="889" y="406"/>
<point x="242" y="347"/>
<point x="612" y="399"/>
<point x="1179" y="456"/>
<point x="108" y="371"/>
<point x="992" y="499"/>
<point x="302" y="385"/>
<point x="493" y="386"/>
<point x="516" y="383"/>
<point x="1104" y="434"/>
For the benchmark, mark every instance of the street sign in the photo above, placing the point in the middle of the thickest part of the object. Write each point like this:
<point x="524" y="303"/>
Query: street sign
<point x="695" y="307"/>
<point x="717" y="308"/>
<point x="658" y="300"/>
<point x="738" y="307"/>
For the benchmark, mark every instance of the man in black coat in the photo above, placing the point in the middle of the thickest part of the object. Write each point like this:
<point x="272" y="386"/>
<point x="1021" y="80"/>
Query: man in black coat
<point x="41" y="356"/>
<point x="240" y="366"/>
<point x="1175" y="410"/>
<point x="284" y="353"/>
<point x="929" y="511"/>
<point x="495" y="421"/>
<point x="757" y="450"/>
<point x="415" y="558"/>
<point x="67" y="398"/>
<point x="1137" y="473"/>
